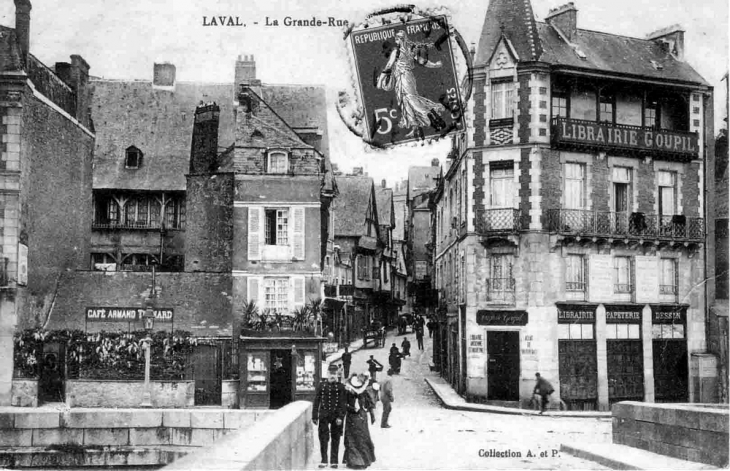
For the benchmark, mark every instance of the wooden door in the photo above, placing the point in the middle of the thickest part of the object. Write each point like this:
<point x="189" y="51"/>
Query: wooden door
<point x="625" y="370"/>
<point x="670" y="370"/>
<point x="503" y="365"/>
<point x="578" y="374"/>
<point x="207" y="375"/>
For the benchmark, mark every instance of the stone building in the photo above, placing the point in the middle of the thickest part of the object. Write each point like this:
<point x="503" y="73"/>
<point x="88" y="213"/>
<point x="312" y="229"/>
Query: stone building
<point x="570" y="227"/>
<point x="46" y="149"/>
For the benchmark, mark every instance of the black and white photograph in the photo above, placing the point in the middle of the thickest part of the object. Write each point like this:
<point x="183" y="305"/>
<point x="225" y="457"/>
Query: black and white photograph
<point x="321" y="234"/>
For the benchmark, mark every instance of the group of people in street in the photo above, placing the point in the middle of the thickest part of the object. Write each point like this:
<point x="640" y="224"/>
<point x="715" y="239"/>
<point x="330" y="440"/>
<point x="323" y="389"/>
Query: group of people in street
<point x="349" y="407"/>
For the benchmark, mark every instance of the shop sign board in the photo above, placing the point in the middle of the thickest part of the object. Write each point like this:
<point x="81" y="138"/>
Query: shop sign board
<point x="126" y="314"/>
<point x="576" y="314"/>
<point x="623" y="314"/>
<point x="487" y="317"/>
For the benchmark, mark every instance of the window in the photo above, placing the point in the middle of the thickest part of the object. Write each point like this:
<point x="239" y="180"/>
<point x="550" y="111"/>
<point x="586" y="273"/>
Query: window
<point x="276" y="294"/>
<point x="501" y="280"/>
<point x="667" y="194"/>
<point x="623" y="331"/>
<point x="142" y="211"/>
<point x="623" y="275"/>
<point x="502" y="185"/>
<point x="575" y="273"/>
<point x="103" y="262"/>
<point x="668" y="276"/>
<point x="575" y="183"/>
<point x="621" y="189"/>
<point x="502" y="100"/>
<point x="606" y="109"/>
<point x="175" y="214"/>
<point x="277" y="227"/>
<point x="651" y="115"/>
<point x="667" y="331"/>
<point x="559" y="105"/>
<point x="277" y="162"/>
<point x="575" y="331"/>
<point x="112" y="211"/>
<point x="138" y="262"/>
<point x="133" y="157"/>
<point x="363" y="267"/>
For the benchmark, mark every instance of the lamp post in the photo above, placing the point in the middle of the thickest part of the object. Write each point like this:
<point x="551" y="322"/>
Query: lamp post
<point x="149" y="324"/>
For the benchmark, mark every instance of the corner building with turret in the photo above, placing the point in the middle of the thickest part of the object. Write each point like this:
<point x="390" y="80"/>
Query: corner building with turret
<point x="568" y="226"/>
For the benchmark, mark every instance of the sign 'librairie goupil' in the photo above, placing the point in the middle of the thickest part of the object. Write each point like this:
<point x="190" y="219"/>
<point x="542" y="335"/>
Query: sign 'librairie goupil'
<point x="125" y="314"/>
<point x="407" y="81"/>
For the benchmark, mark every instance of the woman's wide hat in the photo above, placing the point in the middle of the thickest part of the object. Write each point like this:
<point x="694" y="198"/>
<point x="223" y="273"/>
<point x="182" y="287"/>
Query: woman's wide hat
<point x="355" y="382"/>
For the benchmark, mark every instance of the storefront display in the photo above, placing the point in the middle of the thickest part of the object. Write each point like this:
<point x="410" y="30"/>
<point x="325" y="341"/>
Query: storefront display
<point x="305" y="372"/>
<point x="257" y="372"/>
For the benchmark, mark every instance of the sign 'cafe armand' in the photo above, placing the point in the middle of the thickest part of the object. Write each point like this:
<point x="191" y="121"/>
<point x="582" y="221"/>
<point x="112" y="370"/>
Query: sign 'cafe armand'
<point x="125" y="314"/>
<point x="634" y="138"/>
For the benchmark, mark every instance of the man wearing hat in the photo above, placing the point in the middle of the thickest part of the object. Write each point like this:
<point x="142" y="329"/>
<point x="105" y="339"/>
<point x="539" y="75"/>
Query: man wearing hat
<point x="330" y="407"/>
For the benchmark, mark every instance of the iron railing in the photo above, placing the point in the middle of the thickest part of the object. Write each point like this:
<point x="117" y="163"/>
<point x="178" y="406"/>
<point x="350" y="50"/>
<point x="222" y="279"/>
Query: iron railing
<point x="503" y="220"/>
<point x="575" y="286"/>
<point x="625" y="224"/>
<point x="124" y="225"/>
<point x="667" y="289"/>
<point x="501" y="290"/>
<point x="623" y="288"/>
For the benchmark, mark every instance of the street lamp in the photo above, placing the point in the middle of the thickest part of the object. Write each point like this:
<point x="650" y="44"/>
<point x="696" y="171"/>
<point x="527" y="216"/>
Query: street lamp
<point x="149" y="324"/>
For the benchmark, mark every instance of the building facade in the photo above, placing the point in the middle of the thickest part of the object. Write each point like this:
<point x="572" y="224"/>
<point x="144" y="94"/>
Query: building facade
<point x="570" y="223"/>
<point x="47" y="142"/>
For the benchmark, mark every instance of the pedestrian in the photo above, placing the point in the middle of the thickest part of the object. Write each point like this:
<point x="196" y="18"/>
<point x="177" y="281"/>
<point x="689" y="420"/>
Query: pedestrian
<point x="359" y="448"/>
<point x="544" y="389"/>
<point x="373" y="367"/>
<point x="328" y="413"/>
<point x="394" y="360"/>
<point x="406" y="346"/>
<point x="394" y="349"/>
<point x="419" y="337"/>
<point x="430" y="326"/>
<point x="372" y="390"/>
<point x="346" y="362"/>
<point x="387" y="398"/>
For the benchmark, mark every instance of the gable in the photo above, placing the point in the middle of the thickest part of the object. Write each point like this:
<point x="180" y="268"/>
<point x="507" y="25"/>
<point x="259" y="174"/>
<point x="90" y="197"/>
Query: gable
<point x="503" y="60"/>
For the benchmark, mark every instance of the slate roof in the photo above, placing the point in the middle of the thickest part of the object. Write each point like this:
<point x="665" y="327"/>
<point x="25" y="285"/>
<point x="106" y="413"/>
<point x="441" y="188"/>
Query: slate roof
<point x="384" y="197"/>
<point x="516" y="20"/>
<point x="612" y="53"/>
<point x="351" y="206"/>
<point x="160" y="122"/>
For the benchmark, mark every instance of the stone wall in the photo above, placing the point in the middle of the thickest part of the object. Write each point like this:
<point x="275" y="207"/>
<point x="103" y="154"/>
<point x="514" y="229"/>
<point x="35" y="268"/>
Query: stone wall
<point x="693" y="432"/>
<point x="165" y="394"/>
<point x="284" y="440"/>
<point x="24" y="393"/>
<point x="229" y="394"/>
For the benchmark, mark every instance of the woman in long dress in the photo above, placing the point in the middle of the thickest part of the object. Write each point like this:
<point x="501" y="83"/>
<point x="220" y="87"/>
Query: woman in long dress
<point x="398" y="75"/>
<point x="359" y="448"/>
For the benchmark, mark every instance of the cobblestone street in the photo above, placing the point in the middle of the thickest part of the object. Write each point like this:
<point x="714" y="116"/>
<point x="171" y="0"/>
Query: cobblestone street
<point x="424" y="435"/>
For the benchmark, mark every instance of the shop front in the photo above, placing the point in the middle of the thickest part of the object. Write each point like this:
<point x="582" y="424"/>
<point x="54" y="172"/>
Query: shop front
<point x="577" y="356"/>
<point x="503" y="352"/>
<point x="625" y="353"/>
<point x="277" y="370"/>
<point x="669" y="350"/>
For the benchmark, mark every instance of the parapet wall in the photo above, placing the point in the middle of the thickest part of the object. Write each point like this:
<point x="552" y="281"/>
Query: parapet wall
<point x="118" y="437"/>
<point x="284" y="440"/>
<point x="694" y="432"/>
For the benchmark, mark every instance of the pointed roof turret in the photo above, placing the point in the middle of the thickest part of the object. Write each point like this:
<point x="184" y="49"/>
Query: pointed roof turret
<point x="516" y="20"/>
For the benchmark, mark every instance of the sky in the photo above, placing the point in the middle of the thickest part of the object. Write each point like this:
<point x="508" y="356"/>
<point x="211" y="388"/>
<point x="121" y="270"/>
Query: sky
<point x="122" y="40"/>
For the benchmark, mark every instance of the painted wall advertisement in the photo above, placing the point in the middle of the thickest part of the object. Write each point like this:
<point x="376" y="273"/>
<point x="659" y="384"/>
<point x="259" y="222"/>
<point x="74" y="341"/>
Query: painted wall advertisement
<point x="476" y="353"/>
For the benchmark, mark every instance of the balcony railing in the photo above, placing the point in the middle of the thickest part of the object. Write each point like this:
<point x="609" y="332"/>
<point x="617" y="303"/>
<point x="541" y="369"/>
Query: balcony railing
<point x="626" y="225"/>
<point x="626" y="138"/>
<point x="503" y="220"/>
<point x="667" y="289"/>
<point x="623" y="288"/>
<point x="501" y="290"/>
<point x="124" y="225"/>
<point x="347" y="290"/>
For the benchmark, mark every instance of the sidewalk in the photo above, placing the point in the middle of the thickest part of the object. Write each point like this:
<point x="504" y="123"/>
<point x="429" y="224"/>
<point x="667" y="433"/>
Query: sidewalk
<point x="616" y="456"/>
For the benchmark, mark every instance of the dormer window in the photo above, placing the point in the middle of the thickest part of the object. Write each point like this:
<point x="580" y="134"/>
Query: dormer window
<point x="277" y="162"/>
<point x="133" y="157"/>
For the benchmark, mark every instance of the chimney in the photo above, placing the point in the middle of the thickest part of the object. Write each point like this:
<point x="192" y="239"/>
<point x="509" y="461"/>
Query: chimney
<point x="245" y="73"/>
<point x="63" y="70"/>
<point x="80" y="85"/>
<point x="671" y="39"/>
<point x="204" y="148"/>
<point x="22" y="27"/>
<point x="163" y="76"/>
<point x="565" y="19"/>
<point x="434" y="162"/>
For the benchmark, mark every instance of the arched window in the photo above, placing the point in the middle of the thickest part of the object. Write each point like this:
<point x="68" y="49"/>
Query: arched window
<point x="133" y="157"/>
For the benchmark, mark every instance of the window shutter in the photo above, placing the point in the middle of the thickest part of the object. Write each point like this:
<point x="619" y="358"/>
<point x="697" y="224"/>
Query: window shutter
<point x="254" y="290"/>
<point x="297" y="292"/>
<point x="255" y="225"/>
<point x="298" y="239"/>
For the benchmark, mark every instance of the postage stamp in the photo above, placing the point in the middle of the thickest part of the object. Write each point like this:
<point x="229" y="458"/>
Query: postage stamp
<point x="407" y="81"/>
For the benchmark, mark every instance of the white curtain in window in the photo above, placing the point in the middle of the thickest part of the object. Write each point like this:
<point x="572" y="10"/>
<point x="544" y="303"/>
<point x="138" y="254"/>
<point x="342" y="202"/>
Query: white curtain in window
<point x="574" y="186"/>
<point x="502" y="186"/>
<point x="667" y="193"/>
<point x="502" y="100"/>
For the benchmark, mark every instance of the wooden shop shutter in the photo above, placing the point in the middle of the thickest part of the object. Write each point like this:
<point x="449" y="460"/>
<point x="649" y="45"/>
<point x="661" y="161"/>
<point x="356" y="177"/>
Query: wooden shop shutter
<point x="298" y="233"/>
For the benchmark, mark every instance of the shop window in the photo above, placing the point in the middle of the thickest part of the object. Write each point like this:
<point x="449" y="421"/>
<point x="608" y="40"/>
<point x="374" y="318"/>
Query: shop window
<point x="276" y="294"/>
<point x="305" y="371"/>
<point x="667" y="331"/>
<point x="502" y="106"/>
<point x="257" y="372"/>
<point x="623" y="331"/>
<point x="277" y="162"/>
<point x="575" y="186"/>
<point x="277" y="226"/>
<point x="133" y="157"/>
<point x="668" y="276"/>
<point x="575" y="331"/>
<point x="623" y="275"/>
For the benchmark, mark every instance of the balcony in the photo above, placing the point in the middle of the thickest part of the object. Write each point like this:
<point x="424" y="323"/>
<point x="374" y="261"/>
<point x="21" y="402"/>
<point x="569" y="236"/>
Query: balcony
<point x="501" y="290"/>
<point x="347" y="290"/>
<point x="625" y="139"/>
<point x="496" y="221"/>
<point x="579" y="222"/>
<point x="124" y="225"/>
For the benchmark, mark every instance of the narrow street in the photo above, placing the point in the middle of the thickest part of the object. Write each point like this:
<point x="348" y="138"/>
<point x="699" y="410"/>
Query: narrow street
<point x="424" y="435"/>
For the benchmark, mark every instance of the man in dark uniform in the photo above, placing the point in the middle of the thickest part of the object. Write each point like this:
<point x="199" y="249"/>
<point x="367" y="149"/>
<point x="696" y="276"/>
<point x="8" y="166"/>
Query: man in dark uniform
<point x="346" y="362"/>
<point x="330" y="407"/>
